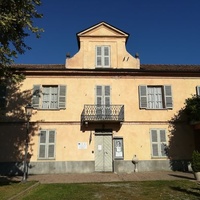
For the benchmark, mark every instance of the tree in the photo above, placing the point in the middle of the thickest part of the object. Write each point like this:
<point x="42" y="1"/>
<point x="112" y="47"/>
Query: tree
<point x="192" y="108"/>
<point x="16" y="23"/>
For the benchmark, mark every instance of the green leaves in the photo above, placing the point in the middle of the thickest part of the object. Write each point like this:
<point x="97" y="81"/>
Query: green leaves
<point x="192" y="108"/>
<point x="16" y="23"/>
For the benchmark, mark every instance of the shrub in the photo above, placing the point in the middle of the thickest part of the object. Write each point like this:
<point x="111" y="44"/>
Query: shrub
<point x="195" y="161"/>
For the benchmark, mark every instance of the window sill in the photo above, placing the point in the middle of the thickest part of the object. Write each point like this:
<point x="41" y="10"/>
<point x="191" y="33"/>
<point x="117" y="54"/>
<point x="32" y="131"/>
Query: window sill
<point x="50" y="109"/>
<point x="118" y="158"/>
<point x="46" y="159"/>
<point x="156" y="109"/>
<point x="102" y="67"/>
<point x="158" y="157"/>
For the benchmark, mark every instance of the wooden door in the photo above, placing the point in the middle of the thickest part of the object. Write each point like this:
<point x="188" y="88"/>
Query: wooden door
<point x="103" y="153"/>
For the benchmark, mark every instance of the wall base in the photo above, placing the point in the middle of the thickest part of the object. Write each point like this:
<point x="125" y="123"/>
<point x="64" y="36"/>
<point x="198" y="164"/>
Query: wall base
<point x="119" y="166"/>
<point x="122" y="166"/>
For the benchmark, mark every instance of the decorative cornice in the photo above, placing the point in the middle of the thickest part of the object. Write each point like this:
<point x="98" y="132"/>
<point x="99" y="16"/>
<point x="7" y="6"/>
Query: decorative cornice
<point x="145" y="70"/>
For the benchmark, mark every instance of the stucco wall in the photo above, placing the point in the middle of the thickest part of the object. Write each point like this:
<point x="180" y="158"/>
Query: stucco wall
<point x="134" y="130"/>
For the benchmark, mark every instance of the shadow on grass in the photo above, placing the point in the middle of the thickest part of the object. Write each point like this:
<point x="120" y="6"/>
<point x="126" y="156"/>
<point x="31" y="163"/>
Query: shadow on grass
<point x="181" y="176"/>
<point x="5" y="180"/>
<point x="192" y="191"/>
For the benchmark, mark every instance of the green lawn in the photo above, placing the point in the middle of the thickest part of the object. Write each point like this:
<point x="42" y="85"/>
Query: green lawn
<point x="147" y="190"/>
<point x="9" y="189"/>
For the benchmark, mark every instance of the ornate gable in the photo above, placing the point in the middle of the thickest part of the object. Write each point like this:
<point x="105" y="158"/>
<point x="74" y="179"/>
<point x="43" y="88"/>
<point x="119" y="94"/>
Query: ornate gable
<point x="102" y="30"/>
<point x="102" y="46"/>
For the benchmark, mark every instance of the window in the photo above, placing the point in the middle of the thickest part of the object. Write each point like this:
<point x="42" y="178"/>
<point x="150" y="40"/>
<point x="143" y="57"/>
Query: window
<point x="2" y="97"/>
<point x="158" y="142"/>
<point x="103" y="109"/>
<point x="103" y="56"/>
<point x="103" y="95"/>
<point x="155" y="97"/>
<point x="198" y="90"/>
<point x="49" y="97"/>
<point x="47" y="144"/>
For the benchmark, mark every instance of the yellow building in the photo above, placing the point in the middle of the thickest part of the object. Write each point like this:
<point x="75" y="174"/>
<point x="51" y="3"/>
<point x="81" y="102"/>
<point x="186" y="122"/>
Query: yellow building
<point x="99" y="111"/>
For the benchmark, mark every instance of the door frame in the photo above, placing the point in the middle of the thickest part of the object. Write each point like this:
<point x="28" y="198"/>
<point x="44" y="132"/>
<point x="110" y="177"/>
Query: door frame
<point x="104" y="133"/>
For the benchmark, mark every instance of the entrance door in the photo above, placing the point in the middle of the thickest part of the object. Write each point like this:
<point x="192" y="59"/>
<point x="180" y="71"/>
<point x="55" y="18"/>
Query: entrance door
<point x="103" y="153"/>
<point x="103" y="101"/>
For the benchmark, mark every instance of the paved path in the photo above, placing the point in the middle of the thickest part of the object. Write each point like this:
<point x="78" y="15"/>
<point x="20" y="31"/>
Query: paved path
<point x="109" y="177"/>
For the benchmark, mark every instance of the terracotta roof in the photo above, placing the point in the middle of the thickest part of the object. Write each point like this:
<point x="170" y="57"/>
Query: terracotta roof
<point x="38" y="66"/>
<point x="143" y="67"/>
<point x="165" y="67"/>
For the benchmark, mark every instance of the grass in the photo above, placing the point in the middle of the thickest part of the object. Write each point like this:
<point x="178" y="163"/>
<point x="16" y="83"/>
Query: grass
<point x="9" y="189"/>
<point x="147" y="190"/>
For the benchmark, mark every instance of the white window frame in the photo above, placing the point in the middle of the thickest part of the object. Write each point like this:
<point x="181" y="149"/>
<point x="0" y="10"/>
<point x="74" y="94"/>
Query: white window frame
<point x="160" y="144"/>
<point x="102" y="57"/>
<point x="159" y="98"/>
<point x="155" y="98"/>
<point x="48" y="99"/>
<point x="46" y="144"/>
<point x="38" y="98"/>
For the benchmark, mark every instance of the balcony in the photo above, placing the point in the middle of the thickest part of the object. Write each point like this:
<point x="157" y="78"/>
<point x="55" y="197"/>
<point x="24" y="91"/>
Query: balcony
<point x="102" y="113"/>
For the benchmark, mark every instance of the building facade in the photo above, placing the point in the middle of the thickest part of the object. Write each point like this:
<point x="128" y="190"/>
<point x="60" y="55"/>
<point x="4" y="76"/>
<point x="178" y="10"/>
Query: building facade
<point x="99" y="111"/>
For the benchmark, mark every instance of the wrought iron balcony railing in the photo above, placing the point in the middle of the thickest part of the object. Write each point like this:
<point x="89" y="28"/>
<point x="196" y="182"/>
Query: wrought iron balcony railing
<point x="113" y="113"/>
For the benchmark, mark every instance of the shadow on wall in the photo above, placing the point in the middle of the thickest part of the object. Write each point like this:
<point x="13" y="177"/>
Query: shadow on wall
<point x="181" y="142"/>
<point x="13" y="130"/>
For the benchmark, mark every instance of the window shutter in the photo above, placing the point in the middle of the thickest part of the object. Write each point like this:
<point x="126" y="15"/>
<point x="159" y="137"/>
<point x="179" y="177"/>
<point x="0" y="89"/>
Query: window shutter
<point x="155" y="149"/>
<point x="107" y="90"/>
<point x="2" y="96"/>
<point x="107" y="101"/>
<point x="46" y="91"/>
<point x="42" y="149"/>
<point x="99" y="101"/>
<point x="154" y="137"/>
<point x="162" y="136"/>
<point x="51" y="147"/>
<point x="36" y="96"/>
<point x="168" y="96"/>
<point x="62" y="96"/>
<point x="107" y="95"/>
<point x="51" y="151"/>
<point x="99" y="94"/>
<point x="143" y="96"/>
<point x="163" y="149"/>
<point x="198" y="90"/>
<point x="106" y="56"/>
<point x="98" y="56"/>
<point x="99" y="90"/>
<point x="158" y="142"/>
<point x="163" y="142"/>
<point x="154" y="141"/>
<point x="54" y="97"/>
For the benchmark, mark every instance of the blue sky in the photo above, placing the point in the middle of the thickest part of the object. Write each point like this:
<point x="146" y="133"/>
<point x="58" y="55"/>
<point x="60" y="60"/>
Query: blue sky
<point x="161" y="31"/>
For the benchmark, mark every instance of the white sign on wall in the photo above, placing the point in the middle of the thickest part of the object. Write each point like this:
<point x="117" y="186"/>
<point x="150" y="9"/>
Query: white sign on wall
<point x="118" y="148"/>
<point x="82" y="145"/>
<point x="99" y="147"/>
